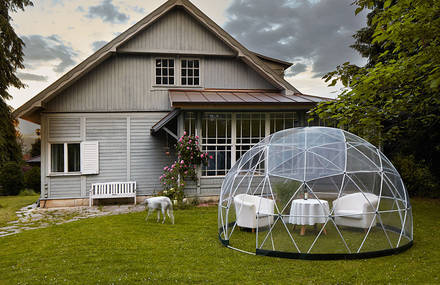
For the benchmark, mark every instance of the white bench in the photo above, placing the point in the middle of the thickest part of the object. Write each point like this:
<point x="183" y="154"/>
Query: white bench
<point x="112" y="190"/>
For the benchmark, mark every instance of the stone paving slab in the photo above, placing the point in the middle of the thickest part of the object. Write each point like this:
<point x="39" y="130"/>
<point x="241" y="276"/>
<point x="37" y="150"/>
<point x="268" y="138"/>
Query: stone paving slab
<point x="30" y="217"/>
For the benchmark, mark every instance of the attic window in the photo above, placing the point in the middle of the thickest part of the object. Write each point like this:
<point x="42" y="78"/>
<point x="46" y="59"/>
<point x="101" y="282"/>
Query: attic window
<point x="190" y="72"/>
<point x="164" y="71"/>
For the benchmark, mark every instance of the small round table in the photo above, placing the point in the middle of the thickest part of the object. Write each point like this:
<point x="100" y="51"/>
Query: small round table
<point x="308" y="212"/>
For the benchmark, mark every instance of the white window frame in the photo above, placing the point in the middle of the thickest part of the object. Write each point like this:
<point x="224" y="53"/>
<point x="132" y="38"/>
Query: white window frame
<point x="176" y="77"/>
<point x="177" y="73"/>
<point x="66" y="157"/>
<point x="180" y="72"/>
<point x="267" y="131"/>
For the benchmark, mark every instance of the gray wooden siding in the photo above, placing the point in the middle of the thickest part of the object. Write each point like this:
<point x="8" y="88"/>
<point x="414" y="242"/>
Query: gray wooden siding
<point x="224" y="73"/>
<point x="64" y="128"/>
<point x="112" y="136"/>
<point x="123" y="84"/>
<point x="179" y="32"/>
<point x="65" y="186"/>
<point x="147" y="154"/>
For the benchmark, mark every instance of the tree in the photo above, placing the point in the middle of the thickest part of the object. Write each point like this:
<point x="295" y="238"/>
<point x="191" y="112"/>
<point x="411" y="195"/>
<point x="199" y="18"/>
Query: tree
<point x="11" y="58"/>
<point x="394" y="99"/>
<point x="36" y="148"/>
<point x="11" y="47"/>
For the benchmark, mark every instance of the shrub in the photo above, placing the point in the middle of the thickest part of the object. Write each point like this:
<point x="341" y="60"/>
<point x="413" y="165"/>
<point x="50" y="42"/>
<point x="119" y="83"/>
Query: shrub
<point x="27" y="192"/>
<point x="32" y="179"/>
<point x="11" y="178"/>
<point x="418" y="179"/>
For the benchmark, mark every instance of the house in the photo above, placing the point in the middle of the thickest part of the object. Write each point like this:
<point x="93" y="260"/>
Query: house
<point x="116" y="115"/>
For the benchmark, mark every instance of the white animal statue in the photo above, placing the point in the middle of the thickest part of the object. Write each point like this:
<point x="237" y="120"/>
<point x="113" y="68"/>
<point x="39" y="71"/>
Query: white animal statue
<point x="161" y="204"/>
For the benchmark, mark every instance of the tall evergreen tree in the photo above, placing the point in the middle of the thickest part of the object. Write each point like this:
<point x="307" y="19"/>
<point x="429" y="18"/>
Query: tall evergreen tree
<point x="11" y="58"/>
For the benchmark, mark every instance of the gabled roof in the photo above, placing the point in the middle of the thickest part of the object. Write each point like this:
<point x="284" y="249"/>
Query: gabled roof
<point x="27" y="110"/>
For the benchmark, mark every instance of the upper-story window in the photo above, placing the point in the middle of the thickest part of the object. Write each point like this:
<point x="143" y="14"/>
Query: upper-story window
<point x="165" y="71"/>
<point x="190" y="72"/>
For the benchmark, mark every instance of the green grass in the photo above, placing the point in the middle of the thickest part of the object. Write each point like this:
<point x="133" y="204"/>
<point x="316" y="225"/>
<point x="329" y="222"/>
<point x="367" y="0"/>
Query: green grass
<point x="9" y="205"/>
<point x="124" y="249"/>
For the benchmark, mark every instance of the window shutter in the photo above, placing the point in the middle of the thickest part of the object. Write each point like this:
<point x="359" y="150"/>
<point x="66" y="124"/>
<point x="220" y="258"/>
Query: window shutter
<point x="90" y="157"/>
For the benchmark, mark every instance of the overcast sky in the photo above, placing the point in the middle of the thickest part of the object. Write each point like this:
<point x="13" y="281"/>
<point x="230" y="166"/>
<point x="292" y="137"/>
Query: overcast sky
<point x="313" y="34"/>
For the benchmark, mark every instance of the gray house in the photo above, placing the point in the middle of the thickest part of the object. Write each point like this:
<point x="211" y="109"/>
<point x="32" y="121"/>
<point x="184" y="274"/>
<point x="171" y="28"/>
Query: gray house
<point x="116" y="115"/>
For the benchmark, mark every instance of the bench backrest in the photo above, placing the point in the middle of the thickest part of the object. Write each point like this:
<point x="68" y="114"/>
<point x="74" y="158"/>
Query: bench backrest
<point x="113" y="188"/>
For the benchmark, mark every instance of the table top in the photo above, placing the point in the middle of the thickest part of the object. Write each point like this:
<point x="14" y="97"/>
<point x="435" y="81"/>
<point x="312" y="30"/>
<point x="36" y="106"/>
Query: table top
<point x="309" y="201"/>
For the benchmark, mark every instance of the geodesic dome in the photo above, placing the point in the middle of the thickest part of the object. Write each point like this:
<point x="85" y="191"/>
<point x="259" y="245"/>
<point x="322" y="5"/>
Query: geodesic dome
<point x="315" y="193"/>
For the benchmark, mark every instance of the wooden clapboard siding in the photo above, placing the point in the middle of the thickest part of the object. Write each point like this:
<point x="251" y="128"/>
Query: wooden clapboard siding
<point x="147" y="154"/>
<point x="111" y="133"/>
<point x="123" y="84"/>
<point x="177" y="32"/>
<point x="64" y="128"/>
<point x="232" y="74"/>
<point x="65" y="187"/>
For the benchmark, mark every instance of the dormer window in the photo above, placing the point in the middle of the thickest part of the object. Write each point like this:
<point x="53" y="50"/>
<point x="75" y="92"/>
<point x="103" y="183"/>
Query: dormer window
<point x="190" y="72"/>
<point x="165" y="71"/>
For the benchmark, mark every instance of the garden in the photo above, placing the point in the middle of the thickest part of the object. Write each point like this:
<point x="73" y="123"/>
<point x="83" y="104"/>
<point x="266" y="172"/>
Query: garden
<point x="123" y="249"/>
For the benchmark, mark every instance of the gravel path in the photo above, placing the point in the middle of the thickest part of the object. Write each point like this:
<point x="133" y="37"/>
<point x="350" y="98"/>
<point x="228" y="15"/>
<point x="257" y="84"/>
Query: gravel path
<point x="30" y="217"/>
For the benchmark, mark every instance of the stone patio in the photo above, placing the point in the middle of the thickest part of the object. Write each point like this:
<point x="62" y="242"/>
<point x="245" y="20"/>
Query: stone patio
<point x="31" y="217"/>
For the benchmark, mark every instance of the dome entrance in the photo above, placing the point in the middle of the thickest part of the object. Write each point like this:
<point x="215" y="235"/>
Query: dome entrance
<point x="315" y="193"/>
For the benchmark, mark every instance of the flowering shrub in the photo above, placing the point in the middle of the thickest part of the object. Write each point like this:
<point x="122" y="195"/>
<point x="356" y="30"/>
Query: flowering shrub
<point x="189" y="156"/>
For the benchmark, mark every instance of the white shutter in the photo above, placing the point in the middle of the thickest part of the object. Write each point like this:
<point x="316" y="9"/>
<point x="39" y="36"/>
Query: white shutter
<point x="90" y="157"/>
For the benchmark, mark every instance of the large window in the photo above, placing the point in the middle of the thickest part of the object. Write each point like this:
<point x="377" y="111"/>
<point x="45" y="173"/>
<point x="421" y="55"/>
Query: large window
<point x="65" y="157"/>
<point x="190" y="72"/>
<point x="190" y="123"/>
<point x="227" y="136"/>
<point x="283" y="120"/>
<point x="217" y="141"/>
<point x="164" y="71"/>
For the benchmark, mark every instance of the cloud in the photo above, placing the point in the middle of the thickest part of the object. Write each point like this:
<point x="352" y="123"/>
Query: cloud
<point x="31" y="76"/>
<point x="317" y="32"/>
<point x="296" y="69"/>
<point x="39" y="49"/>
<point x="107" y="12"/>
<point x="97" y="45"/>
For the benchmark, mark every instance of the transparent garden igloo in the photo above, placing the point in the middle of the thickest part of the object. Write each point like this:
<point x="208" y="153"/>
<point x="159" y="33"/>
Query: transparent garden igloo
<point x="315" y="193"/>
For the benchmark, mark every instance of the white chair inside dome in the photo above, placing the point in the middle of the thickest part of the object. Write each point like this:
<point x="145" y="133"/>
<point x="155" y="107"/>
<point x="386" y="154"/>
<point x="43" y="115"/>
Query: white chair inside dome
<point x="354" y="210"/>
<point x="253" y="211"/>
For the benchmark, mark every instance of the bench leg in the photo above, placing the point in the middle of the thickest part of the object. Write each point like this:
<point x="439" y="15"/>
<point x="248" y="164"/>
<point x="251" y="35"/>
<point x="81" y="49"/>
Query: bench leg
<point x="90" y="202"/>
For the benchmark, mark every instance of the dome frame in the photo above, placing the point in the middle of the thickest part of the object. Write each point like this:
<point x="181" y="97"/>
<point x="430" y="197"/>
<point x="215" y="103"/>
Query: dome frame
<point x="291" y="177"/>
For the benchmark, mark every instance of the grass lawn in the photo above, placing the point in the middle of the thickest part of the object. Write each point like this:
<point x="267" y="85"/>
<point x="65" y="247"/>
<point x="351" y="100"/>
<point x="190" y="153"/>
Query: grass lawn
<point x="9" y="205"/>
<point x="123" y="249"/>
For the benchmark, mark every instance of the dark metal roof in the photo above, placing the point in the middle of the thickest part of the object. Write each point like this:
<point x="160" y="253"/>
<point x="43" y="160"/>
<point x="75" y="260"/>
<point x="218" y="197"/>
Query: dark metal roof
<point x="160" y="124"/>
<point x="263" y="97"/>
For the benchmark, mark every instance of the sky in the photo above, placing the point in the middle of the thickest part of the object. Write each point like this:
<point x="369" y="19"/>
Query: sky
<point x="315" y="35"/>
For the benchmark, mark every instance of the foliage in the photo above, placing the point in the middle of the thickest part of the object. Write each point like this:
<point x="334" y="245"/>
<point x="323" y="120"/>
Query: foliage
<point x="125" y="250"/>
<point x="9" y="147"/>
<point x="418" y="178"/>
<point x="11" y="47"/>
<point x="36" y="148"/>
<point x="27" y="192"/>
<point x="394" y="100"/>
<point x="32" y="179"/>
<point x="189" y="157"/>
<point x="11" y="178"/>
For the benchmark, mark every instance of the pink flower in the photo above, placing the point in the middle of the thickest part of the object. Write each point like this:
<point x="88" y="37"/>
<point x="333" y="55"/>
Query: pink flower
<point x="182" y="162"/>
<point x="197" y="142"/>
<point x="184" y="133"/>
<point x="187" y="147"/>
<point x="210" y="157"/>
<point x="197" y="137"/>
<point x="172" y="178"/>
<point x="190" y="141"/>
<point x="165" y="168"/>
<point x="186" y="172"/>
<point x="192" y="157"/>
<point x="202" y="155"/>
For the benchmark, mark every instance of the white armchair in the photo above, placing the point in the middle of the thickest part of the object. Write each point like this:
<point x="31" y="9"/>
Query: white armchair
<point x="351" y="210"/>
<point x="246" y="208"/>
